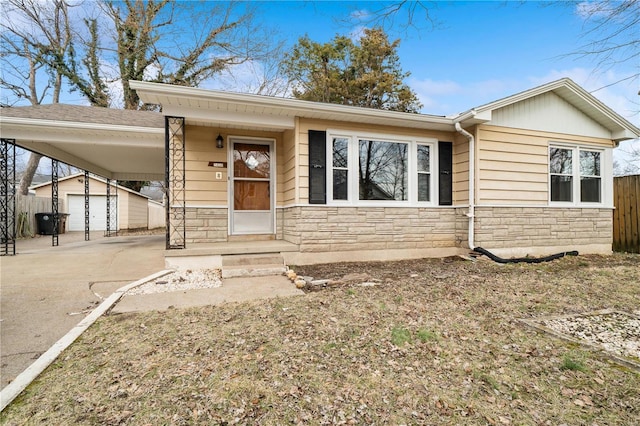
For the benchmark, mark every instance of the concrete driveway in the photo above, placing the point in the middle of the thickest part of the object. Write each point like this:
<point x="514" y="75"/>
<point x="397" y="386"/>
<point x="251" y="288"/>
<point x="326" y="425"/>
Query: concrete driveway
<point x="45" y="291"/>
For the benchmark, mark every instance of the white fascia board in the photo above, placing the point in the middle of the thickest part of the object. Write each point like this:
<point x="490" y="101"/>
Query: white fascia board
<point x="153" y="92"/>
<point x="624" y="135"/>
<point x="620" y="127"/>
<point x="473" y="117"/>
<point x="113" y="128"/>
<point x="51" y="131"/>
<point x="227" y="117"/>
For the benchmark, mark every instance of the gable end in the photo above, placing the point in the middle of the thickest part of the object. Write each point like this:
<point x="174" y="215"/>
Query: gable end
<point x="549" y="112"/>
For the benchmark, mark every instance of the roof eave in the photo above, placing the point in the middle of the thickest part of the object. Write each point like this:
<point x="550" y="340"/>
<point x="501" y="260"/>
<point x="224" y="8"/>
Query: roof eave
<point x="150" y="92"/>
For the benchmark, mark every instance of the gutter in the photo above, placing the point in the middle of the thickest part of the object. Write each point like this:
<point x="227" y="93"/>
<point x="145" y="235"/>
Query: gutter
<point x="472" y="188"/>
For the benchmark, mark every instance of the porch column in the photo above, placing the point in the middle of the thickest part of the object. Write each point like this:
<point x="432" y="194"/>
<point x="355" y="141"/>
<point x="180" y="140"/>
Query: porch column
<point x="54" y="202"/>
<point x="175" y="182"/>
<point x="86" y="206"/>
<point x="7" y="197"/>
<point x="112" y="211"/>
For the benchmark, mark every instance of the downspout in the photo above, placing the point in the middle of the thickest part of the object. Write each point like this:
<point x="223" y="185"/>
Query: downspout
<point x="472" y="187"/>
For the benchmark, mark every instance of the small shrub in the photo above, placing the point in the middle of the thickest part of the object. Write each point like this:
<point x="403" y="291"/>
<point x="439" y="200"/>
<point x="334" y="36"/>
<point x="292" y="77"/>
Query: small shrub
<point x="425" y="335"/>
<point x="400" y="336"/>
<point x="570" y="362"/>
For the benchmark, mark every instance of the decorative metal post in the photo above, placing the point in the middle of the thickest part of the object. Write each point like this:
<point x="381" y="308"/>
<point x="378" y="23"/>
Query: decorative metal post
<point x="7" y="197"/>
<point x="175" y="182"/>
<point x="112" y="211"/>
<point x="86" y="206"/>
<point x="54" y="202"/>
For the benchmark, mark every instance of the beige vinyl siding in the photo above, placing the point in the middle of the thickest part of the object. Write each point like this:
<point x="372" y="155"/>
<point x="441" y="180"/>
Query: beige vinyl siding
<point x="123" y="210"/>
<point x="460" y="169"/>
<point x="288" y="161"/>
<point x="137" y="211"/>
<point x="323" y="125"/>
<point x="513" y="164"/>
<point x="202" y="187"/>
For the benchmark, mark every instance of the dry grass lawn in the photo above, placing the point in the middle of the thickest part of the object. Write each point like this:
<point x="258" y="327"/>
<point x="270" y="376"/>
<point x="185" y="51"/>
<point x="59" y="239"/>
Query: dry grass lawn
<point x="437" y="341"/>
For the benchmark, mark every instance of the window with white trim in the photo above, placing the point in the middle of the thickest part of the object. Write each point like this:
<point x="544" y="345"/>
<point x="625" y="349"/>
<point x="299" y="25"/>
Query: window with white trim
<point x="376" y="169"/>
<point x="424" y="172"/>
<point x="575" y="175"/>
<point x="383" y="170"/>
<point x="340" y="161"/>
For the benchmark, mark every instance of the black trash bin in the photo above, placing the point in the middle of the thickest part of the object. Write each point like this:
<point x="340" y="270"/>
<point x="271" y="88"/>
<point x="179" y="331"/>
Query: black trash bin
<point x="45" y="223"/>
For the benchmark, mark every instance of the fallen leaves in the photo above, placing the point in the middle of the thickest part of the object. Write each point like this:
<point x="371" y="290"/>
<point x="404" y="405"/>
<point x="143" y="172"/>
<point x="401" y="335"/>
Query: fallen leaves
<point x="330" y="357"/>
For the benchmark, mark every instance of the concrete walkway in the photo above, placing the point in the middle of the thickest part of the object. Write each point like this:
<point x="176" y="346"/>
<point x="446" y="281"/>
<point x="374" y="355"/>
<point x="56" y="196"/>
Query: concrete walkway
<point x="46" y="291"/>
<point x="232" y="290"/>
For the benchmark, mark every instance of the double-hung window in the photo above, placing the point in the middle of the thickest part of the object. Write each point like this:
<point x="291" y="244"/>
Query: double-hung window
<point x="375" y="169"/>
<point x="575" y="174"/>
<point x="340" y="161"/>
<point x="424" y="172"/>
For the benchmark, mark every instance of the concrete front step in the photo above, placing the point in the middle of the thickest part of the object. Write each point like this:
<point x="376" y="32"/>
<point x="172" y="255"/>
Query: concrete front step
<point x="256" y="265"/>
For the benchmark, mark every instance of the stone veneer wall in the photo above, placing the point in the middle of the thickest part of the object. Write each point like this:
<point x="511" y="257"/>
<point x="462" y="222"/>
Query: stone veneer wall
<point x="331" y="229"/>
<point x="206" y="225"/>
<point x="279" y="223"/>
<point x="502" y="227"/>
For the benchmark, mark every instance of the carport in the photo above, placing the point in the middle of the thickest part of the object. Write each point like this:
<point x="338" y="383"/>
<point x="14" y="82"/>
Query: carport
<point x="114" y="144"/>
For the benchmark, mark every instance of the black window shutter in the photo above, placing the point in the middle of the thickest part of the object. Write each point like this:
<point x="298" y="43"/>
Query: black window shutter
<point x="445" y="167"/>
<point x="317" y="167"/>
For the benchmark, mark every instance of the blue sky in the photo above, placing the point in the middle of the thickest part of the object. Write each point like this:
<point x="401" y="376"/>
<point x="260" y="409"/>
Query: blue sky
<point x="478" y="52"/>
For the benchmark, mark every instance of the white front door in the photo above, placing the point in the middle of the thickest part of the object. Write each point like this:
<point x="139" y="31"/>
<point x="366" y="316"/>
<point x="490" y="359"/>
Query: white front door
<point x="251" y="186"/>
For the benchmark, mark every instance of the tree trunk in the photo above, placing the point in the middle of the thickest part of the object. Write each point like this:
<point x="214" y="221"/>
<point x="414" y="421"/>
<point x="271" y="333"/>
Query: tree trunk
<point x="27" y="176"/>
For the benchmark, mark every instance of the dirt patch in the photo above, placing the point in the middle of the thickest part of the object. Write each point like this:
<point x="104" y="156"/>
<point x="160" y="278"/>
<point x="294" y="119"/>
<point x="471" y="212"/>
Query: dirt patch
<point x="432" y="342"/>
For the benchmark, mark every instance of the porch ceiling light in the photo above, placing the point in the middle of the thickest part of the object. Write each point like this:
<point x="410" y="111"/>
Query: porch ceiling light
<point x="219" y="141"/>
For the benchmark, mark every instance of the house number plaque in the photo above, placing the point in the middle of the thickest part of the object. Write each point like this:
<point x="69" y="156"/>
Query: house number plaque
<point x="218" y="164"/>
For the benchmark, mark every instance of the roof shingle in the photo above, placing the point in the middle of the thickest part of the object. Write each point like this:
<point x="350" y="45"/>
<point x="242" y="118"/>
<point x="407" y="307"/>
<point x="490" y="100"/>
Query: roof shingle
<point x="86" y="114"/>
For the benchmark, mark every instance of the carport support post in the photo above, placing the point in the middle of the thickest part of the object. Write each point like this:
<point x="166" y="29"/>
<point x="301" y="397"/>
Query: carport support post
<point x="54" y="202"/>
<point x="86" y="205"/>
<point x="175" y="197"/>
<point x="112" y="211"/>
<point x="8" y="197"/>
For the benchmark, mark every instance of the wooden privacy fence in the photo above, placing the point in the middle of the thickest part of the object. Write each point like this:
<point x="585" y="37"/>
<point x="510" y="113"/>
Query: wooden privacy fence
<point x="26" y="208"/>
<point x="626" y="216"/>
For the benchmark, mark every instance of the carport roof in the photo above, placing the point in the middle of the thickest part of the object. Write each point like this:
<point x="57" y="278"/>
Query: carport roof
<point x="116" y="144"/>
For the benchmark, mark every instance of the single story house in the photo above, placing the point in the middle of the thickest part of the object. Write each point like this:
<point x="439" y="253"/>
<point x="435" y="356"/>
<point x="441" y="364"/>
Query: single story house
<point x="130" y="207"/>
<point x="529" y="174"/>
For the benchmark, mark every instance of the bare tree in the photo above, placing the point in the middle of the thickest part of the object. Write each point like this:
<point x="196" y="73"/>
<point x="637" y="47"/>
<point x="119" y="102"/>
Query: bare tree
<point x="610" y="34"/>
<point x="183" y="43"/>
<point x="29" y="29"/>
<point x="398" y="15"/>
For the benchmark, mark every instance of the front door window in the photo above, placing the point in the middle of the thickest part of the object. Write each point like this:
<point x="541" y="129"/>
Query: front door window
<point x="252" y="211"/>
<point x="252" y="175"/>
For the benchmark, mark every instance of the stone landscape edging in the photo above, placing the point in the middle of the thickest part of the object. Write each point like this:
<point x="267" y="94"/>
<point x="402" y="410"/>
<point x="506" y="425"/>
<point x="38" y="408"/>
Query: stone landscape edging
<point x="24" y="379"/>
<point x="535" y="324"/>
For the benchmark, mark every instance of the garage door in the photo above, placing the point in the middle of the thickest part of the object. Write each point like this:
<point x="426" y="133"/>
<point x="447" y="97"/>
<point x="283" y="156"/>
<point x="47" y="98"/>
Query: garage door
<point x="97" y="212"/>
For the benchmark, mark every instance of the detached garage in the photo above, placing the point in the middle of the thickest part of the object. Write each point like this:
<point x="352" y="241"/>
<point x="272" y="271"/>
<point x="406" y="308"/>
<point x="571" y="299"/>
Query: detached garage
<point x="132" y="207"/>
